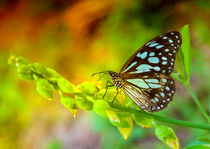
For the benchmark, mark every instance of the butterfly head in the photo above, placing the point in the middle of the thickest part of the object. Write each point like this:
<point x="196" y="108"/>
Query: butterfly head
<point x="112" y="74"/>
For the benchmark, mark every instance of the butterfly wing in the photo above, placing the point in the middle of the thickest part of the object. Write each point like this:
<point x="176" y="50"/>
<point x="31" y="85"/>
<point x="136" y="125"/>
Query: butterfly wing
<point x="151" y="94"/>
<point x="147" y="72"/>
<point x="157" y="55"/>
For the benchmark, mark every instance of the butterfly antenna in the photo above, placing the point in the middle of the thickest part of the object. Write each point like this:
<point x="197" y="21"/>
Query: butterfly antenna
<point x="102" y="72"/>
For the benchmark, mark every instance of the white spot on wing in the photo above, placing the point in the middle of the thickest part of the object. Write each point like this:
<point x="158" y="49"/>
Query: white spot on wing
<point x="138" y="82"/>
<point x="145" y="68"/>
<point x="151" y="54"/>
<point x="131" y="65"/>
<point x="159" y="46"/>
<point x="156" y="99"/>
<point x="164" y="58"/>
<point x="164" y="80"/>
<point x="170" y="40"/>
<point x="152" y="80"/>
<point x="153" y="44"/>
<point x="153" y="60"/>
<point x="142" y="55"/>
<point x="164" y="62"/>
<point x="154" y="85"/>
<point x="162" y="94"/>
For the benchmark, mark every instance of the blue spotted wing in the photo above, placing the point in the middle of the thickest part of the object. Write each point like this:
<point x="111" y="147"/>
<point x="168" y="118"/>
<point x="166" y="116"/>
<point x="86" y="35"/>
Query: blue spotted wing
<point x="147" y="72"/>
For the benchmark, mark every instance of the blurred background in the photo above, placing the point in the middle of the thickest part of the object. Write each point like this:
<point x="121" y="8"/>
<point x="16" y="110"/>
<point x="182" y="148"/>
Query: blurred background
<point x="78" y="38"/>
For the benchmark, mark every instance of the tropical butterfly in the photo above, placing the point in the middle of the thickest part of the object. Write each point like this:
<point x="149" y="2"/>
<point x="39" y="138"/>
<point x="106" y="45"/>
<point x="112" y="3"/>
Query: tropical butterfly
<point x="145" y="77"/>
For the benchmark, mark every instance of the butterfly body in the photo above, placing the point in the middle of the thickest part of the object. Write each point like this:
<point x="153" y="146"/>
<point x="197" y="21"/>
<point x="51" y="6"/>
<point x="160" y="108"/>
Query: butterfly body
<point x="145" y="77"/>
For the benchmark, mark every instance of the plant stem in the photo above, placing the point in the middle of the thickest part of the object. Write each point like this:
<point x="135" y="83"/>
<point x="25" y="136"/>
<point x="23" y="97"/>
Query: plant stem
<point x="187" y="84"/>
<point x="162" y="118"/>
<point x="198" y="103"/>
<point x="178" y="79"/>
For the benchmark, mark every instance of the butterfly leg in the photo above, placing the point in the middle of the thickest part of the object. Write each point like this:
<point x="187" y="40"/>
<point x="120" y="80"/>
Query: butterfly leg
<point x="115" y="96"/>
<point x="107" y="86"/>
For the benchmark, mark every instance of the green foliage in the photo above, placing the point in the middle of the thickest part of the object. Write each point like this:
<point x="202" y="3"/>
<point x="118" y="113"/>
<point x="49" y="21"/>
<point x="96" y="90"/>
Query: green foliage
<point x="167" y="135"/>
<point x="185" y="55"/>
<point x="201" y="143"/>
<point x="116" y="119"/>
<point x="126" y="132"/>
<point x="38" y="68"/>
<point x="66" y="86"/>
<point x="89" y="88"/>
<point x="84" y="103"/>
<point x="70" y="104"/>
<point x="24" y="72"/>
<point x="100" y="106"/>
<point x="143" y="121"/>
<point x="44" y="88"/>
<point x="54" y="144"/>
<point x="186" y="51"/>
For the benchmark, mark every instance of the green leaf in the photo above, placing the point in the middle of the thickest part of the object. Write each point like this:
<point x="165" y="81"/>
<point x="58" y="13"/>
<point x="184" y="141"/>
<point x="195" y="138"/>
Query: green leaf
<point x="110" y="94"/>
<point x="201" y="143"/>
<point x="167" y="135"/>
<point x="204" y="139"/>
<point x="67" y="87"/>
<point x="115" y="119"/>
<point x="11" y="59"/>
<point x="143" y="121"/>
<point x="44" y="88"/>
<point x="126" y="132"/>
<point x="21" y="61"/>
<point x="70" y="104"/>
<point x="24" y="72"/>
<point x="51" y="73"/>
<point x="185" y="51"/>
<point x="89" y="88"/>
<point x="38" y="68"/>
<point x="100" y="106"/>
<point x="84" y="103"/>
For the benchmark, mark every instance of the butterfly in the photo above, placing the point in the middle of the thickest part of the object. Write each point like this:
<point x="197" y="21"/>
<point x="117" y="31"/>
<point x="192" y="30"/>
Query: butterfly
<point x="145" y="77"/>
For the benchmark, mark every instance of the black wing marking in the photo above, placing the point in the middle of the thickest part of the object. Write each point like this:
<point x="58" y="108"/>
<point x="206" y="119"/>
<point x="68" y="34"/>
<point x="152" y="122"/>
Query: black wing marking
<point x="154" y="98"/>
<point x="156" y="56"/>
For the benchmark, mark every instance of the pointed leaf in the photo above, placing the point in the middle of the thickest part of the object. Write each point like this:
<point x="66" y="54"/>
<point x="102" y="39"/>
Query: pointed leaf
<point x="84" y="103"/>
<point x="110" y="95"/>
<point x="201" y="143"/>
<point x="21" y="61"/>
<point x="24" y="72"/>
<point x="44" y="88"/>
<point x="185" y="50"/>
<point x="125" y="132"/>
<point x="70" y="104"/>
<point x="38" y="68"/>
<point x="143" y="121"/>
<point x="89" y="88"/>
<point x="100" y="106"/>
<point x="116" y="120"/>
<point x="66" y="86"/>
<point x="167" y="135"/>
<point x="204" y="139"/>
<point x="51" y="73"/>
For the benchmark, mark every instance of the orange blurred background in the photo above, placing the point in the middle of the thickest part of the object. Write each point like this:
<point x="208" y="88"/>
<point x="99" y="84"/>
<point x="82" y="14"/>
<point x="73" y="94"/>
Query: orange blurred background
<point x="78" y="38"/>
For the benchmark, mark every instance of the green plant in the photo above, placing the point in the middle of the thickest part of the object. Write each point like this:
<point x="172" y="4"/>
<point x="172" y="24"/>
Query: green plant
<point x="89" y="96"/>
